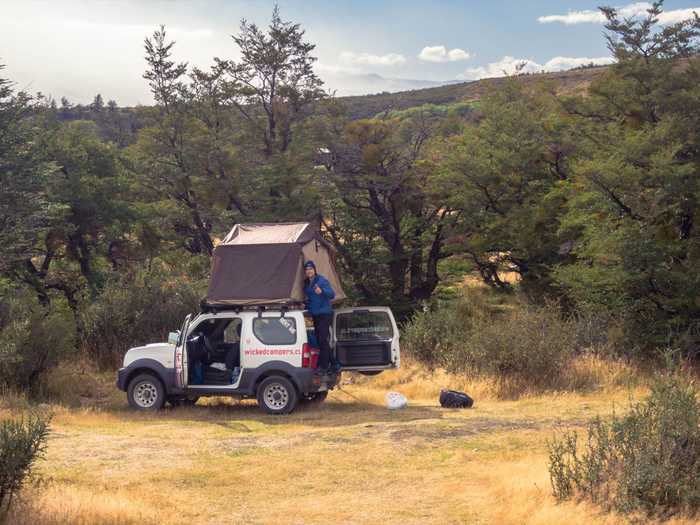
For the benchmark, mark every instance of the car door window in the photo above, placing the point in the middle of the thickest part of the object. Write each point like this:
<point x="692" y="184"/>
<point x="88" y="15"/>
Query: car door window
<point x="233" y="331"/>
<point x="275" y="330"/>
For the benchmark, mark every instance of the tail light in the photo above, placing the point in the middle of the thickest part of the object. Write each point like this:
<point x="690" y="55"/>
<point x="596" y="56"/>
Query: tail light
<point x="309" y="356"/>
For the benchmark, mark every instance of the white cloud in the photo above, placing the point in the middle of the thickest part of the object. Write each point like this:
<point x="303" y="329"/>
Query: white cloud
<point x="678" y="15"/>
<point x="574" y="17"/>
<point x="636" y="9"/>
<point x="509" y="65"/>
<point x="441" y="54"/>
<point x="564" y="63"/>
<point x="366" y="59"/>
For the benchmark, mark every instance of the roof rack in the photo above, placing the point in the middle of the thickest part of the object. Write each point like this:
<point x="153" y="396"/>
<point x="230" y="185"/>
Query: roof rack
<point x="260" y="308"/>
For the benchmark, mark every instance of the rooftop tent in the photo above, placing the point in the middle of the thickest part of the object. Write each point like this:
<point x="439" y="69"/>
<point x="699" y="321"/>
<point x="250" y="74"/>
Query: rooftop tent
<point x="263" y="264"/>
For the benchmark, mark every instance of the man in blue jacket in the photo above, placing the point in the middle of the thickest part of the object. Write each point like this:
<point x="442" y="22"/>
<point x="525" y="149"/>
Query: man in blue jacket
<point x="318" y="293"/>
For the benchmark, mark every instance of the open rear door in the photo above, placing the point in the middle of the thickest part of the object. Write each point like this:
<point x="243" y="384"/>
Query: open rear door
<point x="181" y="355"/>
<point x="366" y="338"/>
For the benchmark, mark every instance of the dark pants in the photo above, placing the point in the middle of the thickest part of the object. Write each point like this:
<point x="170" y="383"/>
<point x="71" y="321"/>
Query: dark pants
<point x="322" y="327"/>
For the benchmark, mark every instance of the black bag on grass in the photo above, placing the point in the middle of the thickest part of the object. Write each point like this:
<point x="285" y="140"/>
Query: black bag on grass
<point x="454" y="399"/>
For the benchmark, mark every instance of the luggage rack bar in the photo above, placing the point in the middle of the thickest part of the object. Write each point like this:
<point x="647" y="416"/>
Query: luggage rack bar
<point x="260" y="308"/>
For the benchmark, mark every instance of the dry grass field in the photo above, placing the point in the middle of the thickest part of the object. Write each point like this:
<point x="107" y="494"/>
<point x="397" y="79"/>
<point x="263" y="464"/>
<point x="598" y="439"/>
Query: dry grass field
<point x="349" y="460"/>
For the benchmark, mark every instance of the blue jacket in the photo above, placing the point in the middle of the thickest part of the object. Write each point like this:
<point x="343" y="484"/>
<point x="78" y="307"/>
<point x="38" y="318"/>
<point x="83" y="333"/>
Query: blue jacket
<point x="318" y="303"/>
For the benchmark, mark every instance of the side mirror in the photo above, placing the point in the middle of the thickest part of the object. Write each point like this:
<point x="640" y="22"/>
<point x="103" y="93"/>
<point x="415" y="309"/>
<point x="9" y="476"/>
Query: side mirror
<point x="173" y="337"/>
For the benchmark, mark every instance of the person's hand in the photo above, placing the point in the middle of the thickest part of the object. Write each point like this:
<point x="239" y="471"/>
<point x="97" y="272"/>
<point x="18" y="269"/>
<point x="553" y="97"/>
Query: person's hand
<point x="317" y="290"/>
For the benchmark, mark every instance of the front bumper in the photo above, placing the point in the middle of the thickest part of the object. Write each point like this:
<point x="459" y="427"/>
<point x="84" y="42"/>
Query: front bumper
<point x="122" y="375"/>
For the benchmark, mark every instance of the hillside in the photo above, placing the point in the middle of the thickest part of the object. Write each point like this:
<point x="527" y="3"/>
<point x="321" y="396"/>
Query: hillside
<point x="366" y="106"/>
<point x="120" y="125"/>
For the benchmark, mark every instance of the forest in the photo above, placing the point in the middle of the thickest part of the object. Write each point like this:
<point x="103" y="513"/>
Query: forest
<point x="582" y="202"/>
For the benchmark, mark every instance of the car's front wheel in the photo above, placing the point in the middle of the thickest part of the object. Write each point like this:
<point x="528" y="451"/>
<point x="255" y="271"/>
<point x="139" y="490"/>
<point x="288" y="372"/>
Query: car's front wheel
<point x="146" y="392"/>
<point x="277" y="395"/>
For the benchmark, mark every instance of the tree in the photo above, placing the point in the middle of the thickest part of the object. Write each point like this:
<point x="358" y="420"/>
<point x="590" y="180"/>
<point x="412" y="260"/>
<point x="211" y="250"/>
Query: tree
<point x="505" y="176"/>
<point x="25" y="211"/>
<point x="97" y="104"/>
<point x="88" y="187"/>
<point x="172" y="155"/>
<point x="206" y="129"/>
<point x="273" y="82"/>
<point x="635" y="197"/>
<point x="384" y="210"/>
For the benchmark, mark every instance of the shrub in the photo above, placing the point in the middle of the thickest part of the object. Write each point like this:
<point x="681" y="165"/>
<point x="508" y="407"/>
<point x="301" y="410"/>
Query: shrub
<point x="22" y="442"/>
<point x="528" y="347"/>
<point x="432" y="335"/>
<point x="523" y="346"/>
<point x="33" y="339"/>
<point x="647" y="460"/>
<point x="73" y="382"/>
<point x="137" y="309"/>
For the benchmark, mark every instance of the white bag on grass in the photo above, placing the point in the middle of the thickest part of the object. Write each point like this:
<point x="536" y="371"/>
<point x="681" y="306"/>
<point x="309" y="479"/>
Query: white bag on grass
<point x="394" y="401"/>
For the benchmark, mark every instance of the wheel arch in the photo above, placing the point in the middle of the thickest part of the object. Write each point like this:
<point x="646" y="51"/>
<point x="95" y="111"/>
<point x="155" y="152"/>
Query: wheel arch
<point x="279" y="368"/>
<point x="150" y="366"/>
<point x="275" y="372"/>
<point x="142" y="370"/>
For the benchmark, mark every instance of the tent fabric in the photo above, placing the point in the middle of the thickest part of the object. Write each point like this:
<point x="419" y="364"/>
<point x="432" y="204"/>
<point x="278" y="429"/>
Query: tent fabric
<point x="263" y="264"/>
<point x="324" y="260"/>
<point x="266" y="233"/>
<point x="257" y="274"/>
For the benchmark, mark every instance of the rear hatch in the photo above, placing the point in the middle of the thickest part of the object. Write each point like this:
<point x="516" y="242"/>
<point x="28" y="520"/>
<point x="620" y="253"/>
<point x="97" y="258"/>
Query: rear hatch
<point x="366" y="338"/>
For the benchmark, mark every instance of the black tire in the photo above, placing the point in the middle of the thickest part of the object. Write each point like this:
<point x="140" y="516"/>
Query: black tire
<point x="146" y="392"/>
<point x="371" y="372"/>
<point x="315" y="397"/>
<point x="277" y="395"/>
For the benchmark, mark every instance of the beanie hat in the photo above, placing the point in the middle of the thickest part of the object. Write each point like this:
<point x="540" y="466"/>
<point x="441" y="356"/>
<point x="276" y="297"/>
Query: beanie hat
<point x="309" y="264"/>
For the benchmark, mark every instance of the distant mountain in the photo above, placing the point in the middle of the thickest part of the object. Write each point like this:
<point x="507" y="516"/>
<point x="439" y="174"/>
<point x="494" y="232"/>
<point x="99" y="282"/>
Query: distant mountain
<point x="354" y="84"/>
<point x="366" y="106"/>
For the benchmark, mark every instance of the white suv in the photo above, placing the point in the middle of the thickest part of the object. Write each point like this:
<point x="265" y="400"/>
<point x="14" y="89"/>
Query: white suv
<point x="267" y="354"/>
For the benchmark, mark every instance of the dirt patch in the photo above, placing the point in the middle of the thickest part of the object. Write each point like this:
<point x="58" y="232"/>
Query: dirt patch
<point x="463" y="429"/>
<point x="425" y="431"/>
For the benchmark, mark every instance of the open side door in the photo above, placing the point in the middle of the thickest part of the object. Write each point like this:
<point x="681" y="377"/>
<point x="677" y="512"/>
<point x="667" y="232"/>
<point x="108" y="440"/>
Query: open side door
<point x="181" y="354"/>
<point x="366" y="338"/>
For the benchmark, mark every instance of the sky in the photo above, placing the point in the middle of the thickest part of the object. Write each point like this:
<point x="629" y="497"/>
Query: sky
<point x="78" y="48"/>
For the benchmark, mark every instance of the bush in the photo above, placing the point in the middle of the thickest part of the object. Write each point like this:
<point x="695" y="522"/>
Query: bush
<point x="434" y="335"/>
<point x="524" y="347"/>
<point x="529" y="347"/>
<point x="137" y="309"/>
<point x="33" y="339"/>
<point x="22" y="442"/>
<point x="647" y="460"/>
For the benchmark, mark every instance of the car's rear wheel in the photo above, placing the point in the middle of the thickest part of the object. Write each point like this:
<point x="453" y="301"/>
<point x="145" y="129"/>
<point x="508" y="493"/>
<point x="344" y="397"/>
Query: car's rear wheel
<point x="277" y="395"/>
<point x="146" y="392"/>
<point x="315" y="397"/>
